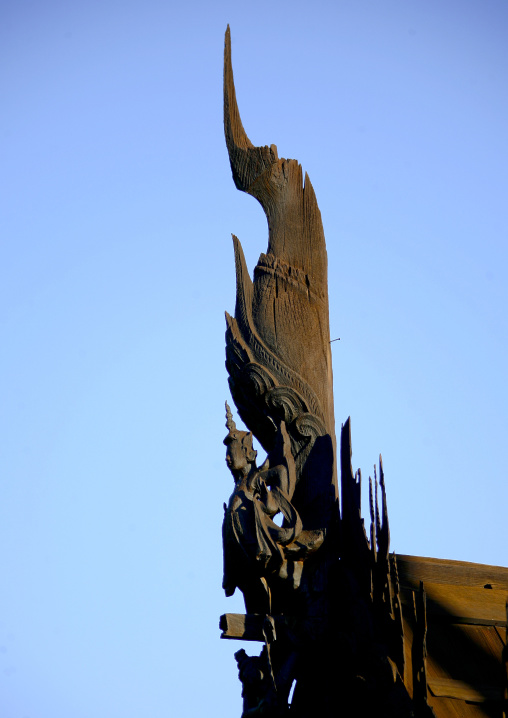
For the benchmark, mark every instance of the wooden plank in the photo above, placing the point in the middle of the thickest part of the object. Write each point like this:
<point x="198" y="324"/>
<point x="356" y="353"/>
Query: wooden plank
<point x="413" y="569"/>
<point x="249" y="626"/>
<point x="470" y="654"/>
<point x="449" y="688"/>
<point x="455" y="708"/>
<point x="467" y="603"/>
<point x="241" y="626"/>
<point x="462" y="604"/>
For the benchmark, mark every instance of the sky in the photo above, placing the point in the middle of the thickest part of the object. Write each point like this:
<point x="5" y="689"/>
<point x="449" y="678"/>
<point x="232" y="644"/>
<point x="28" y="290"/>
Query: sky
<point x="116" y="212"/>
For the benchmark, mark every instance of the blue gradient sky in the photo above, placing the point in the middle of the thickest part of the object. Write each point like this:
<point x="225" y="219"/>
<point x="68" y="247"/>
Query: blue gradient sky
<point x="116" y="211"/>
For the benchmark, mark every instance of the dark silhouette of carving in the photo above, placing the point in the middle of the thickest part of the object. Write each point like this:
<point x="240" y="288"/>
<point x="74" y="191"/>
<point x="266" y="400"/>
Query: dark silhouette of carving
<point x="338" y="615"/>
<point x="259" y="554"/>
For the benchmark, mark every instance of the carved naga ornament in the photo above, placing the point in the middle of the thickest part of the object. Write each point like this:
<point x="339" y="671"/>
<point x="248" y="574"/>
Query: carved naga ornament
<point x="278" y="344"/>
<point x="319" y="593"/>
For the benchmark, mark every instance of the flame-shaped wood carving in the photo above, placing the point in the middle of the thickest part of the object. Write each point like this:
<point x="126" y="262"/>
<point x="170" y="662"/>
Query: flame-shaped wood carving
<point x="278" y="343"/>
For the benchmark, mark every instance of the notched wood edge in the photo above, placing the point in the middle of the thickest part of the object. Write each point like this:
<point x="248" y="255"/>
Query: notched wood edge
<point x="449" y="688"/>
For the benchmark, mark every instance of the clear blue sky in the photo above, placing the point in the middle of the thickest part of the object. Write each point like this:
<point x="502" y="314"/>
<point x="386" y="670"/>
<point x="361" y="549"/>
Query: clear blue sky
<point x="116" y="210"/>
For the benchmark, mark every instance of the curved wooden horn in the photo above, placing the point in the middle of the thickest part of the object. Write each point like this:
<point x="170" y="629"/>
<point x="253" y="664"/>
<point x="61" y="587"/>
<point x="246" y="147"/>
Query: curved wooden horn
<point x="247" y="161"/>
<point x="282" y="314"/>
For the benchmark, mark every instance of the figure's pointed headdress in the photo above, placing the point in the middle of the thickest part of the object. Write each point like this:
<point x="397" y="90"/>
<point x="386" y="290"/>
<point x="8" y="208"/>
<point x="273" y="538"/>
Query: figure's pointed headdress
<point x="234" y="433"/>
<point x="245" y="437"/>
<point x="230" y="424"/>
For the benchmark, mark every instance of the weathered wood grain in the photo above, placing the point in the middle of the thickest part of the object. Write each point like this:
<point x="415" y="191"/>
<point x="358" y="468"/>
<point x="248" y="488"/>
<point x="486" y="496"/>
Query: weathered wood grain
<point x="449" y="688"/>
<point x="289" y="294"/>
<point x="462" y="604"/>
<point x="413" y="569"/>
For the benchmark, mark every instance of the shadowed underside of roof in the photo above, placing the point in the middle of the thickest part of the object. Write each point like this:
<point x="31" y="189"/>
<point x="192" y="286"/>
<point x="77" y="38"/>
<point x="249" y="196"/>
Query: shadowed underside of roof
<point x="466" y="633"/>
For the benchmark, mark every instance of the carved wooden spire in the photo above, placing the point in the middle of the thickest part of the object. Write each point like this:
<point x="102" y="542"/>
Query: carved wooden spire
<point x="278" y="343"/>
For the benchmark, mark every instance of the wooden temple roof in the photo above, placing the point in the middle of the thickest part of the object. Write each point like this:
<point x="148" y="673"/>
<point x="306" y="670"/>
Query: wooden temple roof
<point x="466" y="633"/>
<point x="466" y="616"/>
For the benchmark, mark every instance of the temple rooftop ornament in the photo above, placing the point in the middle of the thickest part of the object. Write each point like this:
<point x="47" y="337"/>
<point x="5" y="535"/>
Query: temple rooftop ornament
<point x="347" y="628"/>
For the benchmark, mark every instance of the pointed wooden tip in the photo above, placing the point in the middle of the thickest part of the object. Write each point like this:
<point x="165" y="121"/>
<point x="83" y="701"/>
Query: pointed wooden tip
<point x="233" y="128"/>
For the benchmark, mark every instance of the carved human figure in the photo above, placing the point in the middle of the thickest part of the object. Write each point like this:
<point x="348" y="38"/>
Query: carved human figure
<point x="255" y="547"/>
